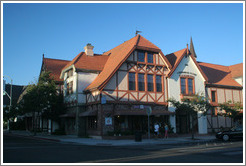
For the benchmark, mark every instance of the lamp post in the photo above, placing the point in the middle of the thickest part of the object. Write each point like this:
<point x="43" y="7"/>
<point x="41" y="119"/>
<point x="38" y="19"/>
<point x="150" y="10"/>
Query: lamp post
<point x="10" y="97"/>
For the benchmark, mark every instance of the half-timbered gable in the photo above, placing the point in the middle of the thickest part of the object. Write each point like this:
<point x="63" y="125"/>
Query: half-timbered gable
<point x="125" y="83"/>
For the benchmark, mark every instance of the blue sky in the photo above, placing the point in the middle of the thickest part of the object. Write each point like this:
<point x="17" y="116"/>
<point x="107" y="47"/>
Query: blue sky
<point x="61" y="31"/>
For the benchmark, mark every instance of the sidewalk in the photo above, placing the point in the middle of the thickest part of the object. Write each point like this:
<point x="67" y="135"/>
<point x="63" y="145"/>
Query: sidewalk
<point x="102" y="142"/>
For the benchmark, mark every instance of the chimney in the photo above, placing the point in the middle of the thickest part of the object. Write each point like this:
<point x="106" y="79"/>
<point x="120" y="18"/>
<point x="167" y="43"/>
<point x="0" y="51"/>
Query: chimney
<point x="89" y="49"/>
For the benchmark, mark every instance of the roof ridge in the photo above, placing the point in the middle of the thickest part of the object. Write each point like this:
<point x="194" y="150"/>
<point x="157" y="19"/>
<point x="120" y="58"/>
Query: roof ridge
<point x="107" y="52"/>
<point x="137" y="40"/>
<point x="236" y="64"/>
<point x="213" y="64"/>
<point x="57" y="59"/>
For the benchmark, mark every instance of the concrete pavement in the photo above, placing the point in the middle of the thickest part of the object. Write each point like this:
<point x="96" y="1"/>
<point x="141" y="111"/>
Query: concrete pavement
<point x="124" y="142"/>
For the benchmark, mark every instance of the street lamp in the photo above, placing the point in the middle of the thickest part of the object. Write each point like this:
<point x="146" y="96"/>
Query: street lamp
<point x="10" y="97"/>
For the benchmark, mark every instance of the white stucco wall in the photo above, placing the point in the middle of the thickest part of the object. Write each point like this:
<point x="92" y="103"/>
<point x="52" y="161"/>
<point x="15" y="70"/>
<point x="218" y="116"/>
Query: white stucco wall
<point x="84" y="80"/>
<point x="186" y="67"/>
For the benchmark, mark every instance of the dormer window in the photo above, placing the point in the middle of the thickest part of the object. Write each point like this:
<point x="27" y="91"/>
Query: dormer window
<point x="141" y="56"/>
<point x="69" y="73"/>
<point x="150" y="57"/>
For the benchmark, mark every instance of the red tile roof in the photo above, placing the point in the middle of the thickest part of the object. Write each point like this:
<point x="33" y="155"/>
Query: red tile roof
<point x="236" y="70"/>
<point x="83" y="61"/>
<point x="118" y="55"/>
<point x="218" y="74"/>
<point x="54" y="66"/>
<point x="176" y="57"/>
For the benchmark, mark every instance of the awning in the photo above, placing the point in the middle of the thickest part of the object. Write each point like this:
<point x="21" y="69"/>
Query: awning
<point x="142" y="112"/>
<point x="88" y="113"/>
<point x="71" y="115"/>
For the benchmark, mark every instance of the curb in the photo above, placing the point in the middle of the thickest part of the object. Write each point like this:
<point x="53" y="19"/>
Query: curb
<point x="34" y="137"/>
<point x="188" y="142"/>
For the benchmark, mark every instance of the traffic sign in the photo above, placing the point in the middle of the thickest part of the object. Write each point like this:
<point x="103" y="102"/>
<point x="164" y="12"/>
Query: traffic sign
<point x="148" y="110"/>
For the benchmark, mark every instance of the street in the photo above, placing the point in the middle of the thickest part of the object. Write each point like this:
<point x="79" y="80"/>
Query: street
<point x="26" y="150"/>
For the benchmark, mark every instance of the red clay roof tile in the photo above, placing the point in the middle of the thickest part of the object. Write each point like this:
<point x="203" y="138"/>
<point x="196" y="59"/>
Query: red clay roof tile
<point x="236" y="70"/>
<point x="218" y="74"/>
<point x="82" y="61"/>
<point x="175" y="57"/>
<point x="118" y="55"/>
<point x="54" y="66"/>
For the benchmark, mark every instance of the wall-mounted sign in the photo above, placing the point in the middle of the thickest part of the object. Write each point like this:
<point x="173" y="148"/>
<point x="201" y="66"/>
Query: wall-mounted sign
<point x="185" y="72"/>
<point x="108" y="121"/>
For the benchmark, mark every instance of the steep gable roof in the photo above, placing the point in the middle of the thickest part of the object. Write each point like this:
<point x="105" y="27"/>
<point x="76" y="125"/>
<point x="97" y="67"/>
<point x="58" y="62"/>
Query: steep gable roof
<point x="176" y="57"/>
<point x="236" y="70"/>
<point x="218" y="74"/>
<point x="54" y="66"/>
<point x="118" y="55"/>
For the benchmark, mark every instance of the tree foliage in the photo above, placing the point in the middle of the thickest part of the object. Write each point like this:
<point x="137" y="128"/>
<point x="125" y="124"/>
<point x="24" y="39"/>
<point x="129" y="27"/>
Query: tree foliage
<point x="43" y="98"/>
<point x="193" y="105"/>
<point x="231" y="109"/>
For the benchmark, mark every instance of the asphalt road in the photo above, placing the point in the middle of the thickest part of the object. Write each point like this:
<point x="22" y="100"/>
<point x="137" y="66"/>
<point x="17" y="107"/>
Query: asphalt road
<point x="28" y="150"/>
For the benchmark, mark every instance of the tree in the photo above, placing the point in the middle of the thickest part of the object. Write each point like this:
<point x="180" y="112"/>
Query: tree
<point x="193" y="105"/>
<point x="231" y="110"/>
<point x="42" y="99"/>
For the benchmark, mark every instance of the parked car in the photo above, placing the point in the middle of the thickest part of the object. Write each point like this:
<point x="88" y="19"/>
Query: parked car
<point x="235" y="132"/>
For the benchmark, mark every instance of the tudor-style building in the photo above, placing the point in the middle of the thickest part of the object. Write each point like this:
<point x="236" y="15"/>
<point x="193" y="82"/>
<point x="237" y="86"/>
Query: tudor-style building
<point x="111" y="91"/>
<point x="111" y="88"/>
